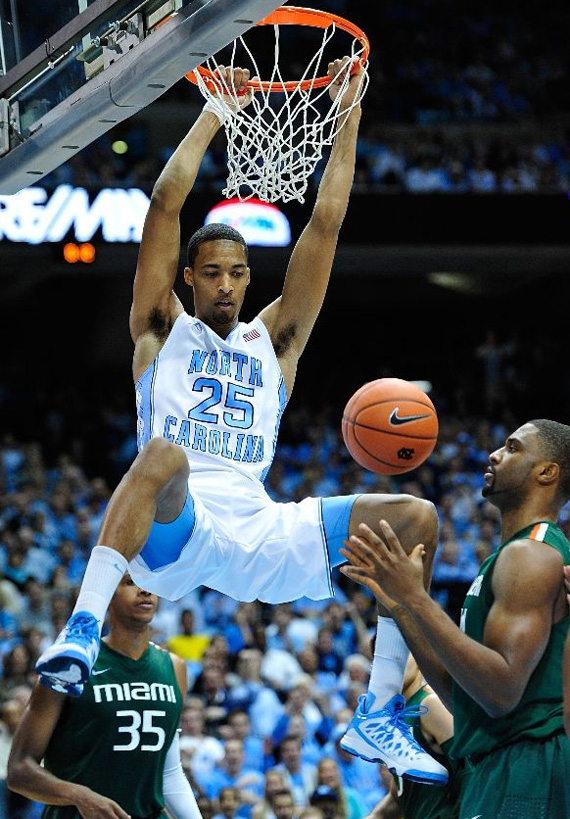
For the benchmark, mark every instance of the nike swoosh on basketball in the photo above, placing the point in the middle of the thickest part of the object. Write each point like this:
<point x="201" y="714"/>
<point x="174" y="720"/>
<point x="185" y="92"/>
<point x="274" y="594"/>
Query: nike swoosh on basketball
<point x="396" y="419"/>
<point x="95" y="673"/>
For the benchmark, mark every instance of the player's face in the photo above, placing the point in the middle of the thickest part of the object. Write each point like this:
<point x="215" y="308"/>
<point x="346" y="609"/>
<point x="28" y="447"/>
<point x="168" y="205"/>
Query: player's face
<point x="507" y="478"/>
<point x="130" y="603"/>
<point x="219" y="278"/>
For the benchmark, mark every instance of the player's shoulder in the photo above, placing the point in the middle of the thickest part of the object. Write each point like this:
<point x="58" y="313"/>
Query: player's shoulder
<point x="162" y="650"/>
<point x="528" y="549"/>
<point x="531" y="563"/>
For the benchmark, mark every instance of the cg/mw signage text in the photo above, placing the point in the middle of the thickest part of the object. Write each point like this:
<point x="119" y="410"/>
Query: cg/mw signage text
<point x="32" y="217"/>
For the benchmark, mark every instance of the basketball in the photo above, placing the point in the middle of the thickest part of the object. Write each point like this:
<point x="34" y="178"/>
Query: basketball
<point x="390" y="426"/>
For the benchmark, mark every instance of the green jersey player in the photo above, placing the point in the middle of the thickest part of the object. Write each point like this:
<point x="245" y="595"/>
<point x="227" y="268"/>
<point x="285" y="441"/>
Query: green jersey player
<point x="502" y="670"/>
<point x="113" y="752"/>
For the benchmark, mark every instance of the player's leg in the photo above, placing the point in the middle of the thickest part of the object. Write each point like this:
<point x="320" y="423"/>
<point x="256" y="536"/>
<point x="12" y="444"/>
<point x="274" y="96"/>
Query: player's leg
<point x="154" y="488"/>
<point x="377" y="732"/>
<point x="415" y="520"/>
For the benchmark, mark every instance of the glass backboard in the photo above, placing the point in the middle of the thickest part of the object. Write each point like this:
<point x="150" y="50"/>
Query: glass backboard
<point x="74" y="69"/>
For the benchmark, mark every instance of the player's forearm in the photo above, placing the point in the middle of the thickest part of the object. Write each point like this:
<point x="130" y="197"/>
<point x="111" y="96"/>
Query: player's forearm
<point x="35" y="782"/>
<point x="480" y="671"/>
<point x="179" y="174"/>
<point x="336" y="183"/>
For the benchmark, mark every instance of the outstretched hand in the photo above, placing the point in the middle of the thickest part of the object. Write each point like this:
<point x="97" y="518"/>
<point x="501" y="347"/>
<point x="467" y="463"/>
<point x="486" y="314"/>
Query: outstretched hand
<point x="337" y="72"/>
<point x="381" y="564"/>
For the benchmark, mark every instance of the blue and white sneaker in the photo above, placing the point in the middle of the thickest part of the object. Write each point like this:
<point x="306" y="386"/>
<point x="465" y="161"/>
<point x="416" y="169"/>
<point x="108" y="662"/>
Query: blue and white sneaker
<point x="385" y="736"/>
<point x="67" y="664"/>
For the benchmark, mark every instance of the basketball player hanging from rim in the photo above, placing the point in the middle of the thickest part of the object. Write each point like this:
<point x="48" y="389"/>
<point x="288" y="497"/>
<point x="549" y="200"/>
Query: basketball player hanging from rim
<point x="192" y="509"/>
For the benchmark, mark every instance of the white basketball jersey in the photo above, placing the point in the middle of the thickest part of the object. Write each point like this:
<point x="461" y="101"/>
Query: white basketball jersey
<point x="221" y="400"/>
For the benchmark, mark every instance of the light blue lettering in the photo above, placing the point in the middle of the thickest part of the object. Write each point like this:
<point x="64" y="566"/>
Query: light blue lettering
<point x="240" y="359"/>
<point x="197" y="361"/>
<point x="226" y="453"/>
<point x="199" y="441"/>
<point x="250" y="448"/>
<point x="214" y="441"/>
<point x="183" y="438"/>
<point x="255" y="374"/>
<point x="259" y="451"/>
<point x="168" y="422"/>
<point x="239" y="446"/>
<point x="212" y="365"/>
<point x="225" y="363"/>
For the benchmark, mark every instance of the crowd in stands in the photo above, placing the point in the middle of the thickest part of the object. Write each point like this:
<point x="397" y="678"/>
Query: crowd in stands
<point x="271" y="689"/>
<point x="468" y="99"/>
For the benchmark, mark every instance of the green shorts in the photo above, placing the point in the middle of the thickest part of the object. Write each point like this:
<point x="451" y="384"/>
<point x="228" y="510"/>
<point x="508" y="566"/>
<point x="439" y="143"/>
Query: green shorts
<point x="529" y="779"/>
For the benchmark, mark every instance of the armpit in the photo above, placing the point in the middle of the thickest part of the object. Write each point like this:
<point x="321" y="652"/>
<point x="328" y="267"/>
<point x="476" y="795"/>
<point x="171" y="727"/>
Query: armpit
<point x="284" y="338"/>
<point x="159" y="324"/>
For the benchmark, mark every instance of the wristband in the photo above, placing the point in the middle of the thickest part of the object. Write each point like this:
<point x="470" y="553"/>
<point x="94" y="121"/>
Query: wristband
<point x="220" y="109"/>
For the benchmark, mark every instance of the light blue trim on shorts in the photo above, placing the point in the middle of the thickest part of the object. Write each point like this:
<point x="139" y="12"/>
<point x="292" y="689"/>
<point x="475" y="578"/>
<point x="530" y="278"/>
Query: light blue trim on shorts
<point x="336" y="519"/>
<point x="166" y="540"/>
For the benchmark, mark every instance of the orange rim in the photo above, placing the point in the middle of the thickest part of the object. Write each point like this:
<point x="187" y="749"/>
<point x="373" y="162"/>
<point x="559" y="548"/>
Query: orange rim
<point x="296" y="16"/>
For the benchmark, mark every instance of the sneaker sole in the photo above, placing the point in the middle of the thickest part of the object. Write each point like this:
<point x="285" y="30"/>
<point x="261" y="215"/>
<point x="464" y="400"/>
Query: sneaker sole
<point x="396" y="769"/>
<point x="61" y="688"/>
<point x="69" y="670"/>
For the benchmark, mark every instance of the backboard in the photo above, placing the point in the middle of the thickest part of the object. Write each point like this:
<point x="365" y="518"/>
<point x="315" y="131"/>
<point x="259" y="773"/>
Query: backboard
<point x="71" y="74"/>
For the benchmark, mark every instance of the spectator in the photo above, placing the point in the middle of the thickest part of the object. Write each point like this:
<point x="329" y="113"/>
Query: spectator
<point x="232" y="773"/>
<point x="349" y="802"/>
<point x="240" y="726"/>
<point x="326" y="799"/>
<point x="187" y="644"/>
<point x="274" y="782"/>
<point x="300" y="777"/>
<point x="229" y="802"/>
<point x="18" y="670"/>
<point x="199" y="752"/>
<point x="283" y="805"/>
<point x="253" y="695"/>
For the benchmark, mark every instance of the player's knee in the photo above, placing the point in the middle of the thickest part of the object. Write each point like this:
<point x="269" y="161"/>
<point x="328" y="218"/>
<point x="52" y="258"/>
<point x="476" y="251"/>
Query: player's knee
<point x="423" y="520"/>
<point x="159" y="461"/>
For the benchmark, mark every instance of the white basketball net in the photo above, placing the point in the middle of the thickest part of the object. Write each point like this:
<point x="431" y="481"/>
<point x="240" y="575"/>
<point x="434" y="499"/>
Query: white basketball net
<point x="276" y="141"/>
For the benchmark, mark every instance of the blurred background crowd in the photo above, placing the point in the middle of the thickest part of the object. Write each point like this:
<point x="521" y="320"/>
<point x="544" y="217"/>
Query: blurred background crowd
<point x="270" y="688"/>
<point x="467" y="99"/>
<point x="463" y="99"/>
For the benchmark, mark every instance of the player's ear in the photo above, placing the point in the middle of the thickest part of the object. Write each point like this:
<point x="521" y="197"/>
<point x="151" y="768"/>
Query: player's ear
<point x="549" y="473"/>
<point x="189" y="276"/>
<point x="248" y="275"/>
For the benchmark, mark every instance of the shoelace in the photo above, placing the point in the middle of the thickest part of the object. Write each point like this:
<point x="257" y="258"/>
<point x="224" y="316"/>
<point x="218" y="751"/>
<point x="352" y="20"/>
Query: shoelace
<point x="83" y="627"/>
<point x="397" y="721"/>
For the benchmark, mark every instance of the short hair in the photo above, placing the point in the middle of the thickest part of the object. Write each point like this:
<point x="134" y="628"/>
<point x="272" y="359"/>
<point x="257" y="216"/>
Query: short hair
<point x="229" y="789"/>
<point x="212" y="233"/>
<point x="555" y="438"/>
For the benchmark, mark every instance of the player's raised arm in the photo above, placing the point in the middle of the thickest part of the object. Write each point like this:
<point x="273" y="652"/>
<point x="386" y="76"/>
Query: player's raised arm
<point x="290" y="319"/>
<point x="155" y="306"/>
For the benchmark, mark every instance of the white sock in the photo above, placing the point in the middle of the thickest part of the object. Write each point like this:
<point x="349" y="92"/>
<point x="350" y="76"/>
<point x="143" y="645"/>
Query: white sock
<point x="103" y="574"/>
<point x="389" y="664"/>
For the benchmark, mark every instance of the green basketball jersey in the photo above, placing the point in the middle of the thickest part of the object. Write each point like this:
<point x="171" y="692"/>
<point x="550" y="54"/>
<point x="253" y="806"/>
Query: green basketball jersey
<point x="429" y="801"/>
<point x="115" y="737"/>
<point x="539" y="714"/>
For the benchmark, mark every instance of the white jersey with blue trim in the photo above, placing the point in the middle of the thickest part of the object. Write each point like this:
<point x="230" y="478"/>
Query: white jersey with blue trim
<point x="221" y="400"/>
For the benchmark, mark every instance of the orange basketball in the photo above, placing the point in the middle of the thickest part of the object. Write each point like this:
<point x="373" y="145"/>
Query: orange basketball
<point x="390" y="426"/>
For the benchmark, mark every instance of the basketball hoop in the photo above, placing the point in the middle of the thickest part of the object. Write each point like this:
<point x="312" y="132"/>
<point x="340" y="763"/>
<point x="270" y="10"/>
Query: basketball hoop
<point x="276" y="141"/>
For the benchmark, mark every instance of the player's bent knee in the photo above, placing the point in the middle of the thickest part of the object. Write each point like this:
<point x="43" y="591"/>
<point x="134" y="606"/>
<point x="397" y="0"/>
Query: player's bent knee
<point x="160" y="461"/>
